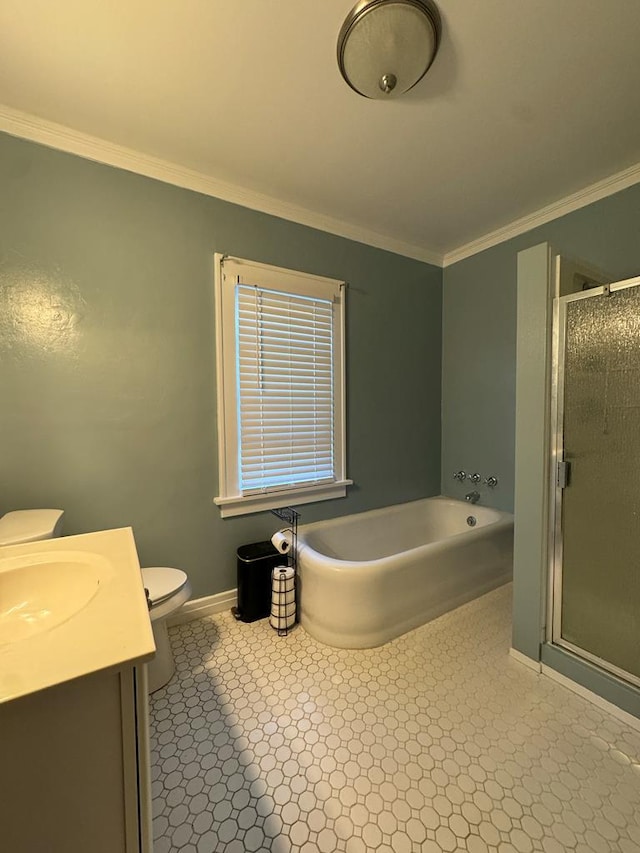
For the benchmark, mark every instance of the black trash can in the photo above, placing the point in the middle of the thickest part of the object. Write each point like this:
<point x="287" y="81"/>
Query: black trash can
<point x="255" y="564"/>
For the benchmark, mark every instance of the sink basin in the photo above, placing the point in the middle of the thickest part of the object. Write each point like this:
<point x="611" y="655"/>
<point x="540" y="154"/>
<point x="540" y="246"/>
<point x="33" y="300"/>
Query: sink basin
<point x="70" y="607"/>
<point x="40" y="591"/>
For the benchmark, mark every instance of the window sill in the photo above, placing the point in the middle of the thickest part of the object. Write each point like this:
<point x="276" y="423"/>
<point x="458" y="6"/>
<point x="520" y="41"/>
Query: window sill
<point x="230" y="507"/>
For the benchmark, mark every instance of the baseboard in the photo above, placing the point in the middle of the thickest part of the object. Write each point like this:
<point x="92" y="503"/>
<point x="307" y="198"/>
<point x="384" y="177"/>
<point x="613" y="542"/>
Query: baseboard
<point x="535" y="665"/>
<point x="596" y="700"/>
<point x="207" y="606"/>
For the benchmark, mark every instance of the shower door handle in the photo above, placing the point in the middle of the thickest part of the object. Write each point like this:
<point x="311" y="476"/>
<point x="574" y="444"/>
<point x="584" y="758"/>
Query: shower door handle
<point x="563" y="474"/>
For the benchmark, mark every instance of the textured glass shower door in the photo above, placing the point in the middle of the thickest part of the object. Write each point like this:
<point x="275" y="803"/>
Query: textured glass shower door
<point x="597" y="547"/>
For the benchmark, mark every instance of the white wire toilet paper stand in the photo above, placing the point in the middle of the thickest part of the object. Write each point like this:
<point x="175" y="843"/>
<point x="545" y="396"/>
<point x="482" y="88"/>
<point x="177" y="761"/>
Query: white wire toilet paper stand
<point x="290" y="516"/>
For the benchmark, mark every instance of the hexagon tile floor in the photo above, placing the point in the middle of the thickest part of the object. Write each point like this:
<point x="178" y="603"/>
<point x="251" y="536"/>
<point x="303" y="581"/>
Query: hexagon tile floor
<point x="438" y="741"/>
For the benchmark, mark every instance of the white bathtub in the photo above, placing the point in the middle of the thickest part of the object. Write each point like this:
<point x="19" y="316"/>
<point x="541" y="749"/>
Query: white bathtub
<point x="367" y="578"/>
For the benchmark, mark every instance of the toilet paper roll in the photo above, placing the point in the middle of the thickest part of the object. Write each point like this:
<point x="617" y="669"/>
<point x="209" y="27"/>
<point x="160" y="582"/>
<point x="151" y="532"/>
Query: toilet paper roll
<point x="282" y="622"/>
<point x="282" y="574"/>
<point x="283" y="609"/>
<point x="281" y="541"/>
<point x="283" y="584"/>
<point x="284" y="597"/>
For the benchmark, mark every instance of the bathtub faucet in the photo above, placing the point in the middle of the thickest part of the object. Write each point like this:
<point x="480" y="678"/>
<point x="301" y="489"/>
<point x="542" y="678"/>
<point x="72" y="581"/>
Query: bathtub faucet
<point x="472" y="497"/>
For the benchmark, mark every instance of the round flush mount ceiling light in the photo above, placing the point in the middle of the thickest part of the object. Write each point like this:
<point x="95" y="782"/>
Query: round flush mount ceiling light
<point x="386" y="46"/>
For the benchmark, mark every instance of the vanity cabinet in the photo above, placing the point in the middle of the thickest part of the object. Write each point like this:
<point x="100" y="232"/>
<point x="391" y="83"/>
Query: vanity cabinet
<point x="74" y="767"/>
<point x="74" y="750"/>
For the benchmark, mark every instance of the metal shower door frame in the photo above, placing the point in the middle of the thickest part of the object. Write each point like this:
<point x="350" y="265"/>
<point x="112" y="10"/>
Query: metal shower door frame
<point x="554" y="604"/>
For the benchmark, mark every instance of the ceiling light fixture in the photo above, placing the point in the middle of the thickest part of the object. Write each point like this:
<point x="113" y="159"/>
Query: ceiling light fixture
<point x="386" y="46"/>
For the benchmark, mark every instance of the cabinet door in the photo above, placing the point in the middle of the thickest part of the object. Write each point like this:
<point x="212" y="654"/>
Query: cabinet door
<point x="63" y="770"/>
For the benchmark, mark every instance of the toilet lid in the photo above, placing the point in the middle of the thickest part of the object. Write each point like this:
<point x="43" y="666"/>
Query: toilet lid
<point x="162" y="582"/>
<point x="28" y="525"/>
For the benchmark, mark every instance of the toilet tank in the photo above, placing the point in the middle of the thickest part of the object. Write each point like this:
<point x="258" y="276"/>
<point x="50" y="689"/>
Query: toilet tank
<point x="30" y="525"/>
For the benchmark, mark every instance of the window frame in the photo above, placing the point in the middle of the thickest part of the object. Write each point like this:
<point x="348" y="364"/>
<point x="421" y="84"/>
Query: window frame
<point x="230" y="500"/>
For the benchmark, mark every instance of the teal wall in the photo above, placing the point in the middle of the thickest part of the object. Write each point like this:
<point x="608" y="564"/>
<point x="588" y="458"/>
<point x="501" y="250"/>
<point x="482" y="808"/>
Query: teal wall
<point x="107" y="357"/>
<point x="479" y="334"/>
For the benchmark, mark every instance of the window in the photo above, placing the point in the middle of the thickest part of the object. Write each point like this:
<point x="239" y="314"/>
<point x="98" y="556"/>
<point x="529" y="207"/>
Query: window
<point x="280" y="345"/>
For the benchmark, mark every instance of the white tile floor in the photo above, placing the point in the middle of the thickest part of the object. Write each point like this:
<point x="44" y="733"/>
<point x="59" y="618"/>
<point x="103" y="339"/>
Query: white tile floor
<point x="435" y="742"/>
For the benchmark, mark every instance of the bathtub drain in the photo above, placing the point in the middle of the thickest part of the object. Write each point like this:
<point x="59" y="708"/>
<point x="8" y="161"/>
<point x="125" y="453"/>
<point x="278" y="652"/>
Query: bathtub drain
<point x="471" y="520"/>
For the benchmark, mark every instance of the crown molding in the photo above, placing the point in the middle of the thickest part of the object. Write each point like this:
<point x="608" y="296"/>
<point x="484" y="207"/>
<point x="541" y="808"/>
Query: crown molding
<point x="26" y="126"/>
<point x="594" y="192"/>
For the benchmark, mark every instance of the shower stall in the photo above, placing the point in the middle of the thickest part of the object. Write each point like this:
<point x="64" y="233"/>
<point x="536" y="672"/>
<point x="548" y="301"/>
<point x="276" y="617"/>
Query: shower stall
<point x="594" y="507"/>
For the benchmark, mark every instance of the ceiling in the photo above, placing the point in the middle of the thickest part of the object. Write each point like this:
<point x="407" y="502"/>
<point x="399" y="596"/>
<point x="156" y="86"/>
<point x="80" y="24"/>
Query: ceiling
<point x="525" y="104"/>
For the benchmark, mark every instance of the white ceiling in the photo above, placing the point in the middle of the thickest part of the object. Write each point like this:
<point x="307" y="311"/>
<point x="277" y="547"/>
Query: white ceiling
<point x="528" y="101"/>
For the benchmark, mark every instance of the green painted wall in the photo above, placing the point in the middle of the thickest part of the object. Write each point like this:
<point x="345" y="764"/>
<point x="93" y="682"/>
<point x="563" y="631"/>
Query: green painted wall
<point x="479" y="334"/>
<point x="107" y="357"/>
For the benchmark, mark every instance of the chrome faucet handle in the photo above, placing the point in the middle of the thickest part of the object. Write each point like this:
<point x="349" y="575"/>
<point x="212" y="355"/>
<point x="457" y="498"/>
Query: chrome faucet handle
<point x="475" y="478"/>
<point x="492" y="482"/>
<point x="461" y="476"/>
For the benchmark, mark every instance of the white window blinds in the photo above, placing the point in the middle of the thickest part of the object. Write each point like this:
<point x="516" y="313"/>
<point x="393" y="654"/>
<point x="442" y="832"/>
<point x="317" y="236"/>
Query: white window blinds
<point x="280" y="371"/>
<point x="285" y="404"/>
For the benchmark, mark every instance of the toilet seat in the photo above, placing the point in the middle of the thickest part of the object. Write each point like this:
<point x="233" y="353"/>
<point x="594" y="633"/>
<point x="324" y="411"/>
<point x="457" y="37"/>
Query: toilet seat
<point x="168" y="590"/>
<point x="162" y="582"/>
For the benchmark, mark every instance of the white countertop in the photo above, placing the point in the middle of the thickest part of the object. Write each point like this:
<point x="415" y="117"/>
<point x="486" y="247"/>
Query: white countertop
<point x="112" y="629"/>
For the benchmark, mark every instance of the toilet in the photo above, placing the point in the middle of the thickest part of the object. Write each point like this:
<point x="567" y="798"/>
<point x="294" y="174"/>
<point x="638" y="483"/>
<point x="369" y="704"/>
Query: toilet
<point x="168" y="589"/>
